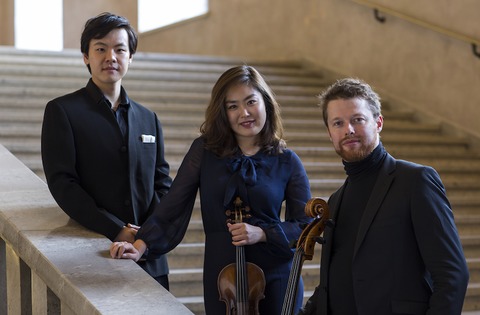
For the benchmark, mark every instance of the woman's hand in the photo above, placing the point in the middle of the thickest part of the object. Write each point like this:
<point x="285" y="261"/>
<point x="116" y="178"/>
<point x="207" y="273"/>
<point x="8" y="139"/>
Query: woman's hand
<point x="246" y="234"/>
<point x="127" y="234"/>
<point x="125" y="250"/>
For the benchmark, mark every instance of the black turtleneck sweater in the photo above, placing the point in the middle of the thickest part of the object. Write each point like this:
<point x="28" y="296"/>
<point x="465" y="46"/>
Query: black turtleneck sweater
<point x="359" y="184"/>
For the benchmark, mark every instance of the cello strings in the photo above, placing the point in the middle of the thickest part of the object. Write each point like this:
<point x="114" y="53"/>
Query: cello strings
<point x="290" y="296"/>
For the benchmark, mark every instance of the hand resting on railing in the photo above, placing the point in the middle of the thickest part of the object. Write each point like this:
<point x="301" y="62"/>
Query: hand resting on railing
<point x="126" y="250"/>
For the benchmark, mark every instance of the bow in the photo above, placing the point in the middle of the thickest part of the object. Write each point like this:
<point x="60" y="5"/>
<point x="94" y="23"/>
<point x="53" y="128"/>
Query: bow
<point x="244" y="172"/>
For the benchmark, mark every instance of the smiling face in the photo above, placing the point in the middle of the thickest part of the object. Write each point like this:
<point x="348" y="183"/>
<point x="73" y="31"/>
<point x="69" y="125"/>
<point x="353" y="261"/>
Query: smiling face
<point x="353" y="130"/>
<point x="109" y="58"/>
<point x="246" y="112"/>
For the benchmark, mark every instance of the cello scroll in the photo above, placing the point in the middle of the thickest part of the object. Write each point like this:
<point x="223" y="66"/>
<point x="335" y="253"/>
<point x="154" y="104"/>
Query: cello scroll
<point x="318" y="209"/>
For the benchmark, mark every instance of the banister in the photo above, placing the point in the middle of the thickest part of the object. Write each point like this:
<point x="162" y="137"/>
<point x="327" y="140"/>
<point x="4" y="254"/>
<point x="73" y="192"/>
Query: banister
<point x="47" y="259"/>
<point x="377" y="8"/>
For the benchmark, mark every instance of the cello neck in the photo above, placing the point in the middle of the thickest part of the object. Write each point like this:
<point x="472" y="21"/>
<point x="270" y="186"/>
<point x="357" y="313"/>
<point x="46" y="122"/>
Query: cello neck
<point x="292" y="286"/>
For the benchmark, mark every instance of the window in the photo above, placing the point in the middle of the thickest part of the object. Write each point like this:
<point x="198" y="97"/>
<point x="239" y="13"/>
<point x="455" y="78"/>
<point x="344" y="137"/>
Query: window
<point x="39" y="24"/>
<point x="153" y="14"/>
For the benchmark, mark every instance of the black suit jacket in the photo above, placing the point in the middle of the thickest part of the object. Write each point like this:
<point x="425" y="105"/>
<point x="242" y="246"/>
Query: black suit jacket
<point x="408" y="258"/>
<point x="99" y="179"/>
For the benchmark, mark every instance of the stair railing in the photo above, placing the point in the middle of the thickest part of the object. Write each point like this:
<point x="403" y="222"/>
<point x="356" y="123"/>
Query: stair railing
<point x="436" y="28"/>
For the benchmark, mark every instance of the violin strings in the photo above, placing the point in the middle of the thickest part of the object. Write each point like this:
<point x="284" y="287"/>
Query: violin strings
<point x="242" y="280"/>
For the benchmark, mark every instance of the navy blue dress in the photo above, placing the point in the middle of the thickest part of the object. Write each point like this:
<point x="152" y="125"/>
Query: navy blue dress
<point x="263" y="182"/>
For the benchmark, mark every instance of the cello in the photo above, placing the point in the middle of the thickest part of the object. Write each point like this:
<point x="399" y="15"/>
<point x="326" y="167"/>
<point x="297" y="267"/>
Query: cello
<point x="241" y="285"/>
<point x="318" y="209"/>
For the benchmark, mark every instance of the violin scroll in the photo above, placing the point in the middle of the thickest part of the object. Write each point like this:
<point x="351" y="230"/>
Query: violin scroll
<point x="239" y="214"/>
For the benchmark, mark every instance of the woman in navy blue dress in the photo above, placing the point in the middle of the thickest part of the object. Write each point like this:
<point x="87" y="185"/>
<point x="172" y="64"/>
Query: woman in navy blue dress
<point x="240" y="153"/>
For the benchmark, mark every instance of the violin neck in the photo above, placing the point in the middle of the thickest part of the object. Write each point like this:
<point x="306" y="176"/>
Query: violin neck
<point x="242" y="281"/>
<point x="292" y="287"/>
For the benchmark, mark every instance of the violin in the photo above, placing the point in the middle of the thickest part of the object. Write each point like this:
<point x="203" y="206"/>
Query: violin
<point x="241" y="285"/>
<point x="318" y="209"/>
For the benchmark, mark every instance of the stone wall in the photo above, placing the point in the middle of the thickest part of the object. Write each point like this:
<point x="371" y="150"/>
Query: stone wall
<point x="77" y="12"/>
<point x="47" y="261"/>
<point x="7" y="23"/>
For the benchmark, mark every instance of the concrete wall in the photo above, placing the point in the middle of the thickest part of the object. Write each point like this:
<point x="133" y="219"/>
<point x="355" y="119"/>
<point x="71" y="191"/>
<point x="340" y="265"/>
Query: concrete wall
<point x="434" y="73"/>
<point x="77" y="12"/>
<point x="7" y="35"/>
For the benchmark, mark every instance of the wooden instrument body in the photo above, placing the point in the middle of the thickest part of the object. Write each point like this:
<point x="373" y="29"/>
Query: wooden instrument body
<point x="228" y="289"/>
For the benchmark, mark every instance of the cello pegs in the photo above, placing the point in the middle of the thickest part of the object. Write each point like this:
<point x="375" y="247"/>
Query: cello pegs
<point x="303" y="225"/>
<point x="320" y="240"/>
<point x="330" y="223"/>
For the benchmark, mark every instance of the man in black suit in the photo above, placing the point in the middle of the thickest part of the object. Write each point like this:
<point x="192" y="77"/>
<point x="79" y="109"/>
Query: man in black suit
<point x="393" y="247"/>
<point x="103" y="153"/>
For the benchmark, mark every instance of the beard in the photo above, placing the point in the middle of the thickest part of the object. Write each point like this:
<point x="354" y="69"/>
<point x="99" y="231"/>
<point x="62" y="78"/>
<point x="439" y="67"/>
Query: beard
<point x="357" y="154"/>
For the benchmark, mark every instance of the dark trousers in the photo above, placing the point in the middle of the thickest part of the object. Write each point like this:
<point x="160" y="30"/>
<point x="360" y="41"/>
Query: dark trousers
<point x="163" y="280"/>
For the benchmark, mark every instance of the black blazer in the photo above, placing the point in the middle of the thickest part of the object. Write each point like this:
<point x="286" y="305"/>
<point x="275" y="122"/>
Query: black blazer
<point x="408" y="258"/>
<point x="99" y="179"/>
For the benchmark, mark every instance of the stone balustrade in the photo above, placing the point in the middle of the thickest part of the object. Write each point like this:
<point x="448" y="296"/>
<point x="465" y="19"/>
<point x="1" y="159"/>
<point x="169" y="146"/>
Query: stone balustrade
<point x="51" y="265"/>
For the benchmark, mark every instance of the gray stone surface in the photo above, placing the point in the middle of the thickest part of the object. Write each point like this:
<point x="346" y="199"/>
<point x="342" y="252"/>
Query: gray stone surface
<point x="72" y="261"/>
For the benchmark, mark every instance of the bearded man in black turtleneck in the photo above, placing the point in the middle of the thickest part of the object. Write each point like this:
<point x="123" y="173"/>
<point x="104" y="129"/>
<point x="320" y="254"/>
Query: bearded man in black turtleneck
<point x="394" y="247"/>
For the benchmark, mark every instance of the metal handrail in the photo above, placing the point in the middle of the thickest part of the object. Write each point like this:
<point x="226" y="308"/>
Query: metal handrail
<point x="436" y="28"/>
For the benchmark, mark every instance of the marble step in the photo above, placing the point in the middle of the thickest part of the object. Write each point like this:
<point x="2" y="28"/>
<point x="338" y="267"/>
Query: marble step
<point x="328" y="177"/>
<point x="151" y="61"/>
<point x="137" y="81"/>
<point x="471" y="245"/>
<point x="195" y="302"/>
<point x="189" y="282"/>
<point x="467" y="225"/>
<point x="18" y="109"/>
<point x="474" y="269"/>
<point x="186" y="118"/>
<point x="176" y="150"/>
<point x="295" y="138"/>
<point x="136" y="73"/>
<point x="189" y="255"/>
<point x="69" y="57"/>
<point x="470" y="307"/>
<point x="21" y="119"/>
<point x="465" y="206"/>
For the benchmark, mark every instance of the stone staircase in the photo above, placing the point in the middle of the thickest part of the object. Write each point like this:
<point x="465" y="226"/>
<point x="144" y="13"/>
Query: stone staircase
<point x="178" y="88"/>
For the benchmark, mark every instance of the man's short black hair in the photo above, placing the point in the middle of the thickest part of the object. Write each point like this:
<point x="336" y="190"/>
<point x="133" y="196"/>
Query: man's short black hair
<point x="99" y="26"/>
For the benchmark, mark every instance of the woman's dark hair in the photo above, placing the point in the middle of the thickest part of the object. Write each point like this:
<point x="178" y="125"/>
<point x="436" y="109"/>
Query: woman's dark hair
<point x="219" y="136"/>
